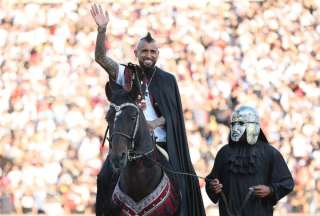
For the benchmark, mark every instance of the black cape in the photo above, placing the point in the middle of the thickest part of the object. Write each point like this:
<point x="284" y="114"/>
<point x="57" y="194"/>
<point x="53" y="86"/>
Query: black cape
<point x="165" y="90"/>
<point x="239" y="167"/>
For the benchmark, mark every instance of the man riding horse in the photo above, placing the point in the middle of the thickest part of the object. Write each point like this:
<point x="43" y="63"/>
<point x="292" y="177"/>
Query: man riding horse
<point x="143" y="187"/>
<point x="161" y="104"/>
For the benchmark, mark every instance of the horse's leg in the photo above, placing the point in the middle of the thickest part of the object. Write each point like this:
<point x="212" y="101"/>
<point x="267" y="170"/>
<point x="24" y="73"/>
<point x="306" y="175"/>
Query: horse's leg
<point x="106" y="182"/>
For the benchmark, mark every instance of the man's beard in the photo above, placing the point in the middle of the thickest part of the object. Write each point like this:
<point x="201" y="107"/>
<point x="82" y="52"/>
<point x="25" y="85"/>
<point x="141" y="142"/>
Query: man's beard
<point x="148" y="70"/>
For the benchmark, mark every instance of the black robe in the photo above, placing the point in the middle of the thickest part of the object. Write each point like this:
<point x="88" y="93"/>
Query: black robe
<point x="165" y="90"/>
<point x="241" y="166"/>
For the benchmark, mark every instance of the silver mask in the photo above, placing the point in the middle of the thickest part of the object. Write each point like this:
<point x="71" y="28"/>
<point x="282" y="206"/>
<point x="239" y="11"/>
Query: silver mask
<point x="245" y="119"/>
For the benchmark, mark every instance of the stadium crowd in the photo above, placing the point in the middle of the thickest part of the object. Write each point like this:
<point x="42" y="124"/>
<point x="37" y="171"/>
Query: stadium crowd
<point x="223" y="53"/>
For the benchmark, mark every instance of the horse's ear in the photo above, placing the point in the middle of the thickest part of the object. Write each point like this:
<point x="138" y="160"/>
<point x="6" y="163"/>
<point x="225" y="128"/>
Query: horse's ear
<point x="116" y="94"/>
<point x="111" y="89"/>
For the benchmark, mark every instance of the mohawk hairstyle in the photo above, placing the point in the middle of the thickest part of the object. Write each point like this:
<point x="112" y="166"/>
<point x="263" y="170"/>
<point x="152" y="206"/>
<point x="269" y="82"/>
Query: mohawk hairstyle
<point x="148" y="38"/>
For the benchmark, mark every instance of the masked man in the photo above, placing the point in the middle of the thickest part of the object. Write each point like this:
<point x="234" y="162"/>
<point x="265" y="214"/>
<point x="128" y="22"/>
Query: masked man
<point x="249" y="176"/>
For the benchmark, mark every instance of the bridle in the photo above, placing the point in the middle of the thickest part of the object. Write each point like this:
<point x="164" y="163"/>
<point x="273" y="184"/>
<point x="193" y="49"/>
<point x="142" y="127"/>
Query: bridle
<point x="132" y="154"/>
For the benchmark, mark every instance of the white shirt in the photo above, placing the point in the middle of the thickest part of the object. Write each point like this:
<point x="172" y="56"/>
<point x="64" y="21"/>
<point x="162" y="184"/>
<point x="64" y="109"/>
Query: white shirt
<point x="149" y="112"/>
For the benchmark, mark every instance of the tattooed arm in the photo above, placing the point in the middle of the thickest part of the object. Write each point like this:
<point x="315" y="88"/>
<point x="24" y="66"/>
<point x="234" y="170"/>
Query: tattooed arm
<point x="101" y="58"/>
<point x="104" y="61"/>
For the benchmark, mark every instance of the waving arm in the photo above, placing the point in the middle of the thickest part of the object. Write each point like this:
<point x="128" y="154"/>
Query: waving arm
<point x="102" y="20"/>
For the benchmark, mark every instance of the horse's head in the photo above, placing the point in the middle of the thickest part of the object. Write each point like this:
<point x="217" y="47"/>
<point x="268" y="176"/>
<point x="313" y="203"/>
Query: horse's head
<point x="127" y="127"/>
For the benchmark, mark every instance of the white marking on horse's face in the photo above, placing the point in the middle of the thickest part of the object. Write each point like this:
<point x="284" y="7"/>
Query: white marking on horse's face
<point x="117" y="114"/>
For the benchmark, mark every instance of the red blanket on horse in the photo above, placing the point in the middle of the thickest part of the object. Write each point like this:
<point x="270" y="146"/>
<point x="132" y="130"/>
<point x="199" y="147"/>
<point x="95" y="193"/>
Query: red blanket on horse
<point x="162" y="201"/>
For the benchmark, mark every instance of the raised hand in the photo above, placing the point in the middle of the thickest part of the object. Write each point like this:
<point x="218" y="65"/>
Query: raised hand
<point x="101" y="18"/>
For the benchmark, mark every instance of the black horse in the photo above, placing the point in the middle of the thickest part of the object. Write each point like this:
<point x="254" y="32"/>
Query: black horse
<point x="143" y="188"/>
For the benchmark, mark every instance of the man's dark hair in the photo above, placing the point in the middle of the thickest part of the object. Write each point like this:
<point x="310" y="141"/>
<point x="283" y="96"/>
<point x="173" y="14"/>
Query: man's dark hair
<point x="148" y="38"/>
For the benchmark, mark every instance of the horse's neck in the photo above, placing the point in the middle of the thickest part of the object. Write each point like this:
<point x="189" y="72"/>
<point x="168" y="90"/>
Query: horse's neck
<point x="139" y="178"/>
